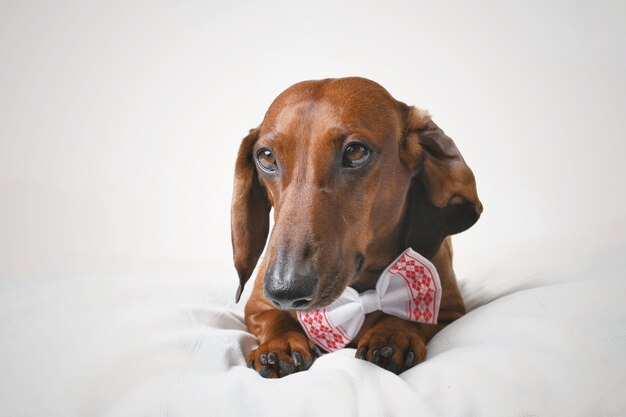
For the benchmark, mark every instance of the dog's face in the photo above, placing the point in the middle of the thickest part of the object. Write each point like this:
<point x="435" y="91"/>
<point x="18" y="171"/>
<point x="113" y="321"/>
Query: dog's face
<point x="337" y="160"/>
<point x="329" y="162"/>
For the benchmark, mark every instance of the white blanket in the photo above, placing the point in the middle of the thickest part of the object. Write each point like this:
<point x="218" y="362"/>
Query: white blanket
<point x="540" y="340"/>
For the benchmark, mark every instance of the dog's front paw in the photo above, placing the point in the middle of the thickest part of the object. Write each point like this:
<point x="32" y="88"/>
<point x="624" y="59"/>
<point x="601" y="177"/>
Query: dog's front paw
<point x="392" y="344"/>
<point x="290" y="352"/>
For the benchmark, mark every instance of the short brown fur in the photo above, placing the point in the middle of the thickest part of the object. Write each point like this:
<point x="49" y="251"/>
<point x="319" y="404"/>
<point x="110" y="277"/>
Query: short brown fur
<point x="346" y="227"/>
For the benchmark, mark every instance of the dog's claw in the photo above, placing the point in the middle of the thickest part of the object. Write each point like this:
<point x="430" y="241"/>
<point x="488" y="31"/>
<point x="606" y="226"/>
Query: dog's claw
<point x="386" y="352"/>
<point x="263" y="358"/>
<point x="271" y="358"/>
<point x="362" y="353"/>
<point x="297" y="358"/>
<point x="266" y="371"/>
<point x="284" y="368"/>
<point x="408" y="362"/>
<point x="316" y="351"/>
<point x="375" y="356"/>
<point x="306" y="363"/>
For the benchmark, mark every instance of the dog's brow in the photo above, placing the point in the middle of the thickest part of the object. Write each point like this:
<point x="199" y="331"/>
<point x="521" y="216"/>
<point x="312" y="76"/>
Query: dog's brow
<point x="269" y="136"/>
<point x="339" y="138"/>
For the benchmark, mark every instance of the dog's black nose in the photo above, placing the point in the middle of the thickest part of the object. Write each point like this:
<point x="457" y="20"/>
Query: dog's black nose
<point x="290" y="290"/>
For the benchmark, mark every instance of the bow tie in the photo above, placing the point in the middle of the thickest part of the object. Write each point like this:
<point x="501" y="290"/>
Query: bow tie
<point x="409" y="288"/>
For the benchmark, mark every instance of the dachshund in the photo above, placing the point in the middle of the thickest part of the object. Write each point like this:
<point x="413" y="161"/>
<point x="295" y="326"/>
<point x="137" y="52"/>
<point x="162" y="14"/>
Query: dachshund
<point x="354" y="177"/>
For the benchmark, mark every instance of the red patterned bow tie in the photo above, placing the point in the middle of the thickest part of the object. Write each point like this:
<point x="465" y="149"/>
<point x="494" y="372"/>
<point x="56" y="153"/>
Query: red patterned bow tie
<point x="409" y="288"/>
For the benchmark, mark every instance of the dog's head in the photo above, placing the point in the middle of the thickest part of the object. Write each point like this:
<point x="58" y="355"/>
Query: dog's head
<point x="354" y="177"/>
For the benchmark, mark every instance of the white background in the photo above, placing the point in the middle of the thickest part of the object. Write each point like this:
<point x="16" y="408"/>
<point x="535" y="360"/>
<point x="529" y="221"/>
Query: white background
<point x="120" y="121"/>
<point x="119" y="126"/>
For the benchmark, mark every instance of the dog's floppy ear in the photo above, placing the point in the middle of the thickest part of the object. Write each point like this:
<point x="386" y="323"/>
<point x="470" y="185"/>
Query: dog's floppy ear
<point x="249" y="213"/>
<point x="442" y="200"/>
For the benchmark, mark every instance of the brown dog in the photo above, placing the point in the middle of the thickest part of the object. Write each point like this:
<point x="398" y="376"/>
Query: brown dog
<point x="354" y="177"/>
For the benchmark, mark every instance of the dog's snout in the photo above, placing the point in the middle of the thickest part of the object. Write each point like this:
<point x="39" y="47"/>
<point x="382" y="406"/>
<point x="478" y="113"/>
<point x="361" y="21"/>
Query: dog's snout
<point x="290" y="291"/>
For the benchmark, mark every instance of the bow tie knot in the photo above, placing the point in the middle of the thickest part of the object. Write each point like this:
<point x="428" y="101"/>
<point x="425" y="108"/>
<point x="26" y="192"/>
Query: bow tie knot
<point x="409" y="288"/>
<point x="370" y="301"/>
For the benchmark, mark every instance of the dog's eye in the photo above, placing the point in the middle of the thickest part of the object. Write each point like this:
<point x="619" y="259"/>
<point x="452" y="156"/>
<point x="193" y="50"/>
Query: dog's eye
<point x="267" y="160"/>
<point x="355" y="155"/>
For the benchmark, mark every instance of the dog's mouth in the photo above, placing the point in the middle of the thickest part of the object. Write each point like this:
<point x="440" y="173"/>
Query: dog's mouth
<point x="296" y="305"/>
<point x="328" y="294"/>
<point x="358" y="262"/>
